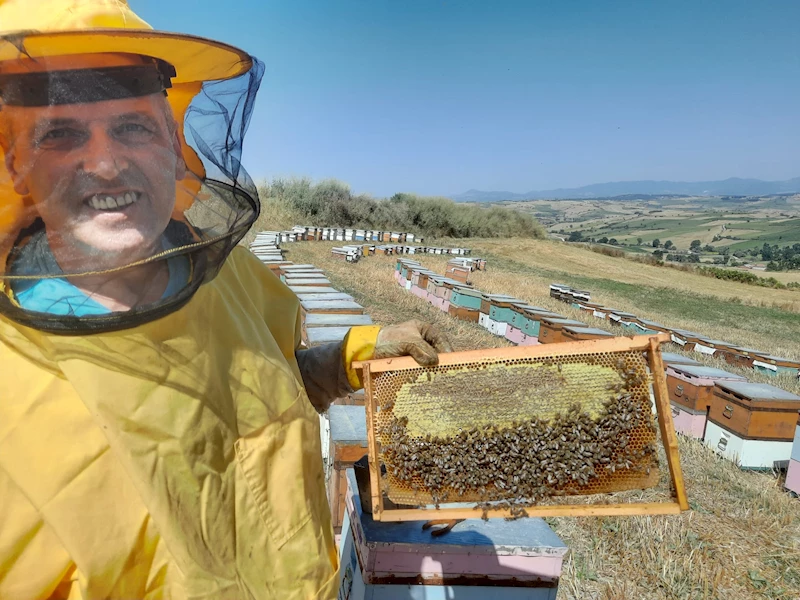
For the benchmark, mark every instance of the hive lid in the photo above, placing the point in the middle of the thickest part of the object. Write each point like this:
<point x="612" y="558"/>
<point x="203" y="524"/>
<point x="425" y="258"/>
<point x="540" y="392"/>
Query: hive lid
<point x="348" y="425"/>
<point x="677" y="359"/>
<point x="650" y="323"/>
<point x="684" y="333"/>
<point x="468" y="291"/>
<point x="705" y="372"/>
<point x="539" y="310"/>
<point x="621" y="313"/>
<point x="777" y="359"/>
<point x="588" y="330"/>
<point x="562" y="321"/>
<point x="325" y="335"/>
<point x="757" y="392"/>
<point x="334" y="319"/>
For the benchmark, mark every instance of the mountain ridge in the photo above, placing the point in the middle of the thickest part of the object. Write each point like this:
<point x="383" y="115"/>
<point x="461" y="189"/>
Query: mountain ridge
<point x="733" y="186"/>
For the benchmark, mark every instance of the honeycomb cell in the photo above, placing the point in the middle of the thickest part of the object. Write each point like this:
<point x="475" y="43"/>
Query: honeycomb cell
<point x="514" y="432"/>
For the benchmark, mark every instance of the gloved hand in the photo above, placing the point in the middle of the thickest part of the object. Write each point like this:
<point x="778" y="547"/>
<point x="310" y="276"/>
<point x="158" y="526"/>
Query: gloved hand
<point x="414" y="338"/>
<point x="422" y="341"/>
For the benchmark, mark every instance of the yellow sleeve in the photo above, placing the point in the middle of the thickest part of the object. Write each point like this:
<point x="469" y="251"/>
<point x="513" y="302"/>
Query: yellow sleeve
<point x="358" y="344"/>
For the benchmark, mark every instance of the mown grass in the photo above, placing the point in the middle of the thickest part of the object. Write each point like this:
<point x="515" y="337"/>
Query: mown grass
<point x="741" y="539"/>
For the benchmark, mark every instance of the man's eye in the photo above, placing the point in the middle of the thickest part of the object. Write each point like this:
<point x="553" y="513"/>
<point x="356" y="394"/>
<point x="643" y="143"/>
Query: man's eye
<point x="60" y="134"/>
<point x="132" y="128"/>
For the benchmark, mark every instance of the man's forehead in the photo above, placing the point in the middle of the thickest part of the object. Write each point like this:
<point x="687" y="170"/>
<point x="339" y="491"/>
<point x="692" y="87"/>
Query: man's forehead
<point x="152" y="107"/>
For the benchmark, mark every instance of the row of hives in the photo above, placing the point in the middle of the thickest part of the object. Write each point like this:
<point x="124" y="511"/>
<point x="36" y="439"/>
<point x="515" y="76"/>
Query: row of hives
<point x="394" y="242"/>
<point x="690" y="341"/>
<point x="756" y="425"/>
<point x="327" y="316"/>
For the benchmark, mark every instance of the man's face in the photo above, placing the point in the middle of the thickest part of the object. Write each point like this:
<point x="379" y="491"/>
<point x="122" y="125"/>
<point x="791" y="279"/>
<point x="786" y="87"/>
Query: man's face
<point x="101" y="175"/>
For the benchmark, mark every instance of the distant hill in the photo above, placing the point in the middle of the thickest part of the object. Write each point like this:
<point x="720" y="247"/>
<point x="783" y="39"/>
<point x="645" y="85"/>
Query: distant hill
<point x="635" y="189"/>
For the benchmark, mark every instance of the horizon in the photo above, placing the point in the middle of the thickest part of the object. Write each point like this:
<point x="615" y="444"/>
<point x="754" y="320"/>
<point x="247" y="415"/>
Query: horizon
<point x="438" y="99"/>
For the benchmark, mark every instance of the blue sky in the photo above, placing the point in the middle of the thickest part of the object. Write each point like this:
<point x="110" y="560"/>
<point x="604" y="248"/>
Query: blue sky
<point x="438" y="97"/>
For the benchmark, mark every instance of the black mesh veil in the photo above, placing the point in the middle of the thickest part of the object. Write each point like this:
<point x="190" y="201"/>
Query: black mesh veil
<point x="124" y="189"/>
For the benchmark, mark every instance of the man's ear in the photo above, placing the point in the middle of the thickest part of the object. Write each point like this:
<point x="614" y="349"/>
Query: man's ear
<point x="20" y="185"/>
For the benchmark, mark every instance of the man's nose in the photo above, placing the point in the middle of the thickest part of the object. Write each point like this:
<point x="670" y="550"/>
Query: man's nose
<point x="102" y="156"/>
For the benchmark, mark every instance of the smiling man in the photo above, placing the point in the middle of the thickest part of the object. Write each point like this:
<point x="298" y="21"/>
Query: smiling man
<point x="158" y="437"/>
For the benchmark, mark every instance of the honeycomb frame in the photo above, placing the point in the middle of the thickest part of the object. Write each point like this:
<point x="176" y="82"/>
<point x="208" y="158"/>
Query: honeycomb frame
<point x="401" y="485"/>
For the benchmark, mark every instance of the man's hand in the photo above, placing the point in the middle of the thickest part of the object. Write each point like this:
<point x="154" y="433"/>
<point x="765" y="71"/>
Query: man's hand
<point x="422" y="341"/>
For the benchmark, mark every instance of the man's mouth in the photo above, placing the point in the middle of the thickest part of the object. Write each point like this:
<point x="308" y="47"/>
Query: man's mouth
<point x="113" y="202"/>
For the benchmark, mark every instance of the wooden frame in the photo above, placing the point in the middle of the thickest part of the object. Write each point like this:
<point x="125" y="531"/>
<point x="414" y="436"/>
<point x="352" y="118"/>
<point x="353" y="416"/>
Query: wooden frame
<point x="645" y="343"/>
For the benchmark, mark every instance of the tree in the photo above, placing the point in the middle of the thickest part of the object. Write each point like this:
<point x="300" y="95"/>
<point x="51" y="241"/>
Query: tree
<point x="659" y="254"/>
<point x="668" y="244"/>
<point x="708" y="248"/>
<point x="613" y="241"/>
<point x="773" y="266"/>
<point x="656" y="243"/>
<point x="603" y="240"/>
<point x="639" y="241"/>
<point x="575" y="236"/>
<point x="695" y="245"/>
<point x="766" y="252"/>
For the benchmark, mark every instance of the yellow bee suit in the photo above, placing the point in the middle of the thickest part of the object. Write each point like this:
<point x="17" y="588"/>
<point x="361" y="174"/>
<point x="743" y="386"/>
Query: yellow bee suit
<point x="177" y="459"/>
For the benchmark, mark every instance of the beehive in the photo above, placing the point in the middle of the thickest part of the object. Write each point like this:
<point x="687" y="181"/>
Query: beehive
<point x="793" y="471"/>
<point x="532" y="325"/>
<point x="550" y="330"/>
<point x="575" y="333"/>
<point x="517" y="426"/>
<point x="738" y="356"/>
<point x="690" y="391"/>
<point x="772" y="365"/>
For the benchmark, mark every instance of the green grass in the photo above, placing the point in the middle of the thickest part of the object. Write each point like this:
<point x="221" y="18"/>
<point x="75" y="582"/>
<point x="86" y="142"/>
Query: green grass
<point x="780" y="325"/>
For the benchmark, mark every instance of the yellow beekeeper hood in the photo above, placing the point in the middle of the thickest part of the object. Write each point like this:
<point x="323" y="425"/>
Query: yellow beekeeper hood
<point x="121" y="187"/>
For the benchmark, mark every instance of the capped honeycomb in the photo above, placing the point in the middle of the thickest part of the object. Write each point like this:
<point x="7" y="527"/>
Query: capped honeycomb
<point x="516" y="431"/>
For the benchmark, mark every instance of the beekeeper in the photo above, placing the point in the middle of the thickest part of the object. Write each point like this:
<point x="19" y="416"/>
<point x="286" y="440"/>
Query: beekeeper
<point x="156" y="434"/>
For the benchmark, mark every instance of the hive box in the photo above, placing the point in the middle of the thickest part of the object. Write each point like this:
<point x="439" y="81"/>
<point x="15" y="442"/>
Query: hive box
<point x="532" y="324"/>
<point x="348" y="443"/>
<point x="690" y="389"/>
<point x="556" y="289"/>
<point x="466" y="298"/>
<point x="477" y="560"/>
<point x="681" y="337"/>
<point x="550" y="329"/>
<point x="767" y="363"/>
<point x="752" y="424"/>
<point x="738" y="356"/>
<point x="518" y="337"/>
<point x="793" y="472"/>
<point x="465" y="314"/>
<point x="620" y="317"/>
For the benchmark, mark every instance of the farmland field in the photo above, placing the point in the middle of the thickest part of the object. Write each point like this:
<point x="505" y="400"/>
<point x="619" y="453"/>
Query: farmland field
<point x="741" y="538"/>
<point x="741" y="223"/>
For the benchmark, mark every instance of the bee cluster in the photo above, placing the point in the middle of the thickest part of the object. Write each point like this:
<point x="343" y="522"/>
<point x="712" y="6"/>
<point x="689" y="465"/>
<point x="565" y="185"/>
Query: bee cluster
<point x="516" y="465"/>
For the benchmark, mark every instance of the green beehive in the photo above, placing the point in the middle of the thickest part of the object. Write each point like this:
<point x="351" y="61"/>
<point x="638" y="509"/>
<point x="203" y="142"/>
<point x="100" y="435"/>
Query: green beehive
<point x="501" y="310"/>
<point x="466" y="298"/>
<point x="532" y="321"/>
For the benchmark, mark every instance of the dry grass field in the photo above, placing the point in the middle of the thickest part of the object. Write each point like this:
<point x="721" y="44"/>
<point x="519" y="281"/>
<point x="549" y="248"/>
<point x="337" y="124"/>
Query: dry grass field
<point x="742" y="537"/>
